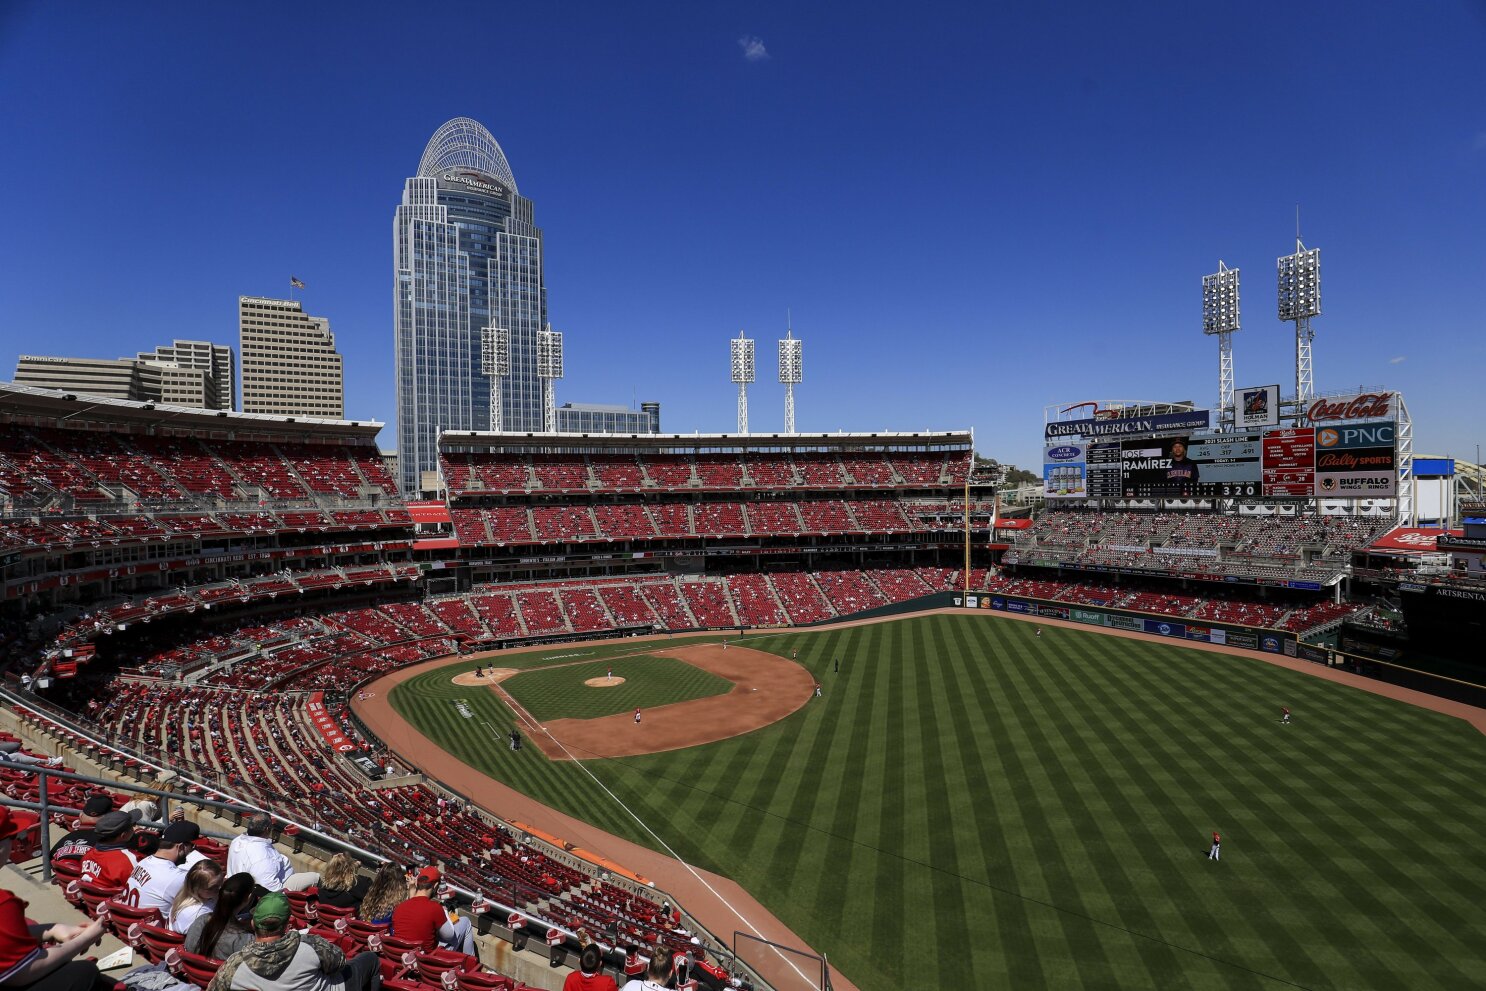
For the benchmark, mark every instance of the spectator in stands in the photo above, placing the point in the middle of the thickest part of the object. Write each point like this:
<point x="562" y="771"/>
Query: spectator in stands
<point x="11" y="750"/>
<point x="40" y="957"/>
<point x="657" y="975"/>
<point x="224" y="931"/>
<point x="189" y="833"/>
<point x="255" y="853"/>
<point x="81" y="839"/>
<point x="423" y="920"/>
<point x="158" y="878"/>
<point x="589" y="976"/>
<point x="198" y="896"/>
<point x="149" y="810"/>
<point x="341" y="884"/>
<point x="281" y="959"/>
<point x="112" y="861"/>
<point x="388" y="889"/>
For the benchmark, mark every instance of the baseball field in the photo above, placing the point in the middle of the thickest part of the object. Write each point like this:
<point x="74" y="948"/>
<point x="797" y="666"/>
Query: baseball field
<point x="971" y="805"/>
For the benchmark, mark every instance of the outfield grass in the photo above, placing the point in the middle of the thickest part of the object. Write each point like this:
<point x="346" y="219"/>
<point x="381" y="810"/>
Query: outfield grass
<point x="970" y="806"/>
<point x="560" y="692"/>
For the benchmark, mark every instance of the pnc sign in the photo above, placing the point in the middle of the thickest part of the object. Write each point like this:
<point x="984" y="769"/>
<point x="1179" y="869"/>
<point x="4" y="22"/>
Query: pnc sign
<point x="1364" y="406"/>
<point x="1361" y="435"/>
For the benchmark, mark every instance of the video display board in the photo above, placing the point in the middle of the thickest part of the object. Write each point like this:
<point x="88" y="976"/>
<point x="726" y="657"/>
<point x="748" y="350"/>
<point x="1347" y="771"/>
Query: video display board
<point x="1345" y="461"/>
<point x="1105" y="480"/>
<point x="1064" y="470"/>
<point x="1182" y="467"/>
<point x="1290" y="462"/>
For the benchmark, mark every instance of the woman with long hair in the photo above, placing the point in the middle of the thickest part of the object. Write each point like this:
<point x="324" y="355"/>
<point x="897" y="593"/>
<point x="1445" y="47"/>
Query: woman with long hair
<point x="225" y="931"/>
<point x="197" y="895"/>
<point x="341" y="886"/>
<point x="388" y="890"/>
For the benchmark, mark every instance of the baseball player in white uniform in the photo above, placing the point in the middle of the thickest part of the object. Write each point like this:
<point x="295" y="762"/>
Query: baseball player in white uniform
<point x="157" y="879"/>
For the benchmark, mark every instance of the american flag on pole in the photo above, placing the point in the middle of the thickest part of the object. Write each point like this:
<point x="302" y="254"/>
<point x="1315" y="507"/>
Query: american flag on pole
<point x="295" y="283"/>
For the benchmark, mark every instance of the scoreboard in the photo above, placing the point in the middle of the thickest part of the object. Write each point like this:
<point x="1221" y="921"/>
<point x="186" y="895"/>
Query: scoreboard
<point x="1348" y="461"/>
<point x="1203" y="468"/>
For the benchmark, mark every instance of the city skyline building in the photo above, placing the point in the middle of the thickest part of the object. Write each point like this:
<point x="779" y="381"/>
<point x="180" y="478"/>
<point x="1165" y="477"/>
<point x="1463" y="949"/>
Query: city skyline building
<point x="195" y="374"/>
<point x="219" y="386"/>
<point x="469" y="296"/>
<point x="599" y="418"/>
<point x="290" y="366"/>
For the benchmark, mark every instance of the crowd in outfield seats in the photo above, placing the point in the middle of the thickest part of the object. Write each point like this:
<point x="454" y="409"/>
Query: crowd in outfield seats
<point x="1301" y="547"/>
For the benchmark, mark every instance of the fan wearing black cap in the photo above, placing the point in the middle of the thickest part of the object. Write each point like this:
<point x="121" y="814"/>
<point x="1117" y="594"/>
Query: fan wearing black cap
<point x="37" y="957"/>
<point x="157" y="879"/>
<point x="81" y="839"/>
<point x="112" y="861"/>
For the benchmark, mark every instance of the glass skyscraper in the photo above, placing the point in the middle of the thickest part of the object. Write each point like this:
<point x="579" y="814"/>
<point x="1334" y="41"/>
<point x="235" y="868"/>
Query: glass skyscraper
<point x="469" y="298"/>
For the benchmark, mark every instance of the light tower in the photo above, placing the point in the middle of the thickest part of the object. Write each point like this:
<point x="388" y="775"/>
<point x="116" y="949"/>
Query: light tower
<point x="495" y="361"/>
<point x="549" y="370"/>
<point x="742" y="365"/>
<point x="791" y="374"/>
<point x="1220" y="320"/>
<point x="1300" y="299"/>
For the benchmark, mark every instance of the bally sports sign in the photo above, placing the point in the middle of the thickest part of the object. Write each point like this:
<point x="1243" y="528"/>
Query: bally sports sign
<point x="1362" y="406"/>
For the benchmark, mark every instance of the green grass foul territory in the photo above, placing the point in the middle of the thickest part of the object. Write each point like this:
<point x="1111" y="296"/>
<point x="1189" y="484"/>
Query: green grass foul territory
<point x="972" y="806"/>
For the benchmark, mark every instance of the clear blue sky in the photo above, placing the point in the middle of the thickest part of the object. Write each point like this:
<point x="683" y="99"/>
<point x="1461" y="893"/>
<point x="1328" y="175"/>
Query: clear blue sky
<point x="971" y="210"/>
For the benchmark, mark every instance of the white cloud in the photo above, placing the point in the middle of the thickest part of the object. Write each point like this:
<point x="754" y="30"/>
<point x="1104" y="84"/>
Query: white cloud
<point x="1397" y="361"/>
<point x="753" y="48"/>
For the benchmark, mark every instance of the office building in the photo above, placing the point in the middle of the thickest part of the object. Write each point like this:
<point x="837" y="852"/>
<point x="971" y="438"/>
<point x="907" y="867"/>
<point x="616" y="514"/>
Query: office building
<point x="596" y="418"/>
<point x="470" y="303"/>
<point x="116" y="378"/>
<point x="290" y="366"/>
<point x="196" y="373"/>
<point x="185" y="373"/>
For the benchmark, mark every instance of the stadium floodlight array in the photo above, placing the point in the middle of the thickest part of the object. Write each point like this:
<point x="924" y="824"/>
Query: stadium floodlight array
<point x="549" y="370"/>
<point x="791" y="374"/>
<point x="1220" y="320"/>
<point x="1300" y="300"/>
<point x="495" y="361"/>
<point x="742" y="368"/>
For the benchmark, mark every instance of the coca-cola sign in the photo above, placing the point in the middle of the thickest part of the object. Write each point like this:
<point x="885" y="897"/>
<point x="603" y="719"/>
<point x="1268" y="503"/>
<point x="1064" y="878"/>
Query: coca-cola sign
<point x="1363" y="406"/>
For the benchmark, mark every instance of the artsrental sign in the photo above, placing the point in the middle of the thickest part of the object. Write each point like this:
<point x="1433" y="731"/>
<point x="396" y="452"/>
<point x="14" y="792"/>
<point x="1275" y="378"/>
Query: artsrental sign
<point x="1364" y="406"/>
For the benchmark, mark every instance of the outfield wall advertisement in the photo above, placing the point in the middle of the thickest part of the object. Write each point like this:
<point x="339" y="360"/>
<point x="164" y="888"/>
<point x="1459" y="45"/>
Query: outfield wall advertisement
<point x="1248" y="638"/>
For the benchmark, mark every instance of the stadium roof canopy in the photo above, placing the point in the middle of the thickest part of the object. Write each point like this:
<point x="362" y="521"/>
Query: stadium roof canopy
<point x="54" y="407"/>
<point x="474" y="440"/>
<point x="463" y="143"/>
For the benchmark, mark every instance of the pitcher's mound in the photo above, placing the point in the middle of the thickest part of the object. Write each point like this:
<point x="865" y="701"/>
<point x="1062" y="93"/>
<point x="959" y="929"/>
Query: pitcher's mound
<point x="493" y="676"/>
<point x="603" y="682"/>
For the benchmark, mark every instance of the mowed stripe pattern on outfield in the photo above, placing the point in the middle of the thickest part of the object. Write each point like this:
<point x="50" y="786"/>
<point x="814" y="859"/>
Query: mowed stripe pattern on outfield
<point x="971" y="805"/>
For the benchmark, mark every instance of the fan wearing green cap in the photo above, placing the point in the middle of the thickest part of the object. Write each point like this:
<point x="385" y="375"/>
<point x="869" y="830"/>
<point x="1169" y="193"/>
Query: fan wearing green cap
<point x="282" y="959"/>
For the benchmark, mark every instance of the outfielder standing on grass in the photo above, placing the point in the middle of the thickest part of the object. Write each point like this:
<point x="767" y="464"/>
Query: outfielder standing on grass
<point x="1215" y="853"/>
<point x="1284" y="715"/>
